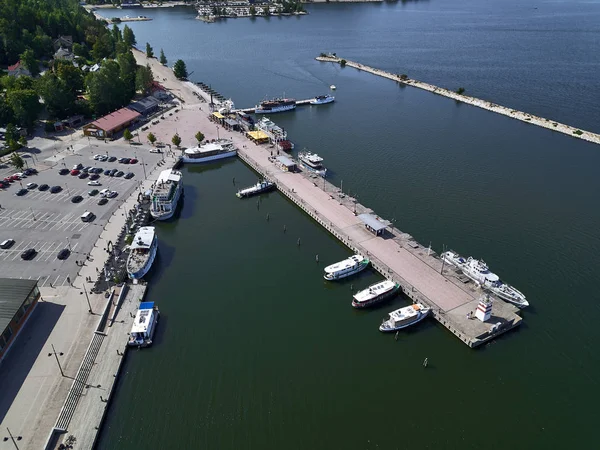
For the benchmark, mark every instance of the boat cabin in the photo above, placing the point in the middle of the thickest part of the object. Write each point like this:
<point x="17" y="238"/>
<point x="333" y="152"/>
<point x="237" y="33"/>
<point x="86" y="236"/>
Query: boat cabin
<point x="144" y="325"/>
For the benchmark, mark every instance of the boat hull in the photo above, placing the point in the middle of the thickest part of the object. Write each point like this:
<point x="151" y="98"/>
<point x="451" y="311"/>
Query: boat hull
<point x="253" y="193"/>
<point x="209" y="158"/>
<point x="322" y="102"/>
<point x="144" y="270"/>
<point x="320" y="172"/>
<point x="278" y="109"/>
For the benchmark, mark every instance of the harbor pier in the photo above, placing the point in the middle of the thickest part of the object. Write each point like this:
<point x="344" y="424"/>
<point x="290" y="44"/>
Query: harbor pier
<point x="395" y="255"/>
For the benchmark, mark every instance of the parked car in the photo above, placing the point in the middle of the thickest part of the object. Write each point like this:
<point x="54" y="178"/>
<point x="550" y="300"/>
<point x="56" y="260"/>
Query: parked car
<point x="63" y="171"/>
<point x="28" y="254"/>
<point x="94" y="176"/>
<point x="55" y="189"/>
<point x="78" y="166"/>
<point x="94" y="183"/>
<point x="7" y="180"/>
<point x="83" y="175"/>
<point x="74" y="172"/>
<point x="87" y="169"/>
<point x="31" y="185"/>
<point x="133" y="161"/>
<point x="21" y="192"/>
<point x="87" y="216"/>
<point x="63" y="254"/>
<point x="119" y="173"/>
<point x="103" y="201"/>
<point x="155" y="150"/>
<point x="122" y="160"/>
<point x="112" y="172"/>
<point x="129" y="175"/>
<point x="14" y="178"/>
<point x="107" y="172"/>
<point x="76" y="199"/>
<point x="4" y="184"/>
<point x="104" y="192"/>
<point x="20" y="175"/>
<point x="112" y="194"/>
<point x="112" y="158"/>
<point x="103" y="158"/>
<point x="8" y="243"/>
<point x="30" y="171"/>
<point x="43" y="187"/>
<point x="93" y="192"/>
<point x="98" y="157"/>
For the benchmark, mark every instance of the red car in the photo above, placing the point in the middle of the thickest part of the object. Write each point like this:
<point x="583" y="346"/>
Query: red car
<point x="132" y="161"/>
<point x="14" y="178"/>
<point x="7" y="180"/>
<point x="74" y="172"/>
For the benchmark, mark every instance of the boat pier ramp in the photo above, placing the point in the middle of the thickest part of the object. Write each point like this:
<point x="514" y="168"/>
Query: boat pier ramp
<point x="484" y="104"/>
<point x="393" y="253"/>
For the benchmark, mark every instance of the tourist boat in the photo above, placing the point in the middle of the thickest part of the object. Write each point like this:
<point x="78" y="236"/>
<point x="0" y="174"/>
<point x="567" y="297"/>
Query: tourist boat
<point x="478" y="271"/>
<point x="322" y="99"/>
<point x="275" y="105"/>
<point x="404" y="317"/>
<point x="142" y="252"/>
<point x="332" y="87"/>
<point x="210" y="151"/>
<point x="350" y="266"/>
<point x="165" y="194"/>
<point x="271" y="129"/>
<point x="312" y="162"/>
<point x="258" y="188"/>
<point x="376" y="293"/>
<point x="144" y="325"/>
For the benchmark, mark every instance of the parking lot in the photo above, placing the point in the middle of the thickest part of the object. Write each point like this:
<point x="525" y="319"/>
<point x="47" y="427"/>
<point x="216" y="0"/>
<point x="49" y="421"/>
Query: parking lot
<point x="51" y="222"/>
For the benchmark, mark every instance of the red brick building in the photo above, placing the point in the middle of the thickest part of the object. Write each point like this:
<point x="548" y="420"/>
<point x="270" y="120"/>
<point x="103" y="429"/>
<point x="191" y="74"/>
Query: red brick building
<point x="107" y="126"/>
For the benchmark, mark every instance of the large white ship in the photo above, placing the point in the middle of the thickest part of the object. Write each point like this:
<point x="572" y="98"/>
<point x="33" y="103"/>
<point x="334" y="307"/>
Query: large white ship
<point x="478" y="271"/>
<point x="350" y="266"/>
<point x="142" y="252"/>
<point x="210" y="151"/>
<point x="312" y="162"/>
<point x="322" y="99"/>
<point x="165" y="194"/>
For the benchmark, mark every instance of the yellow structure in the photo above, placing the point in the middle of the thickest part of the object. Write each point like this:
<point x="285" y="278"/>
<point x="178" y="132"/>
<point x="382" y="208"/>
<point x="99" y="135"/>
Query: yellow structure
<point x="259" y="137"/>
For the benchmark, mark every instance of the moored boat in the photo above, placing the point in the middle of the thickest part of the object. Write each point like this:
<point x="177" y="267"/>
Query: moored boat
<point x="144" y="325"/>
<point x="350" y="266"/>
<point x="258" y="188"/>
<point x="142" y="252"/>
<point x="271" y="129"/>
<point x="376" y="293"/>
<point x="312" y="162"/>
<point x="322" y="99"/>
<point x="404" y="317"/>
<point x="210" y="151"/>
<point x="275" y="105"/>
<point x="165" y="194"/>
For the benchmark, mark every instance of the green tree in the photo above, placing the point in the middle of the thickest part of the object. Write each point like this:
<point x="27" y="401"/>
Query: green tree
<point x="6" y="112"/>
<point x="176" y="140"/>
<point x="16" y="161"/>
<point x="199" y="137"/>
<point x="252" y="10"/>
<point x="343" y="63"/>
<point x="29" y="61"/>
<point x="116" y="34"/>
<point x="25" y="105"/>
<point x="23" y="141"/>
<point x="128" y="36"/>
<point x="149" y="51"/>
<point x="460" y="90"/>
<point x="127" y="135"/>
<point x="58" y="97"/>
<point x="105" y="88"/>
<point x="144" y="79"/>
<point x="127" y="73"/>
<point x="103" y="47"/>
<point x="151" y="138"/>
<point x="180" y="70"/>
<point x="80" y="50"/>
<point x="163" y="58"/>
<point x="11" y="133"/>
<point x="72" y="76"/>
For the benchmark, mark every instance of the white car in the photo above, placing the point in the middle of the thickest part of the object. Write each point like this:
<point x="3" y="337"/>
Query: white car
<point x="103" y="158"/>
<point x="155" y="150"/>
<point x="104" y="192"/>
<point x="94" y="183"/>
<point x="20" y="175"/>
<point x="112" y="194"/>
<point x="97" y="157"/>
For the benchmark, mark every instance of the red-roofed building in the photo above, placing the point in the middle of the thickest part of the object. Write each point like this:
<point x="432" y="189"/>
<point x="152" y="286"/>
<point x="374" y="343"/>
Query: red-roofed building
<point x="107" y="126"/>
<point x="18" y="69"/>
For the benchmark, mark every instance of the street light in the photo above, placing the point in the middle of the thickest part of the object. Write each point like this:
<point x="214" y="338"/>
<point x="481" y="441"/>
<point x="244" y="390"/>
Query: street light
<point x="11" y="437"/>
<point x="56" y="356"/>
<point x="88" y="299"/>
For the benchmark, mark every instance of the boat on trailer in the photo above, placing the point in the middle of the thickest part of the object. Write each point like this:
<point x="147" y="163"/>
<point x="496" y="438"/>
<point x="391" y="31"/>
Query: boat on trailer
<point x="144" y="325"/>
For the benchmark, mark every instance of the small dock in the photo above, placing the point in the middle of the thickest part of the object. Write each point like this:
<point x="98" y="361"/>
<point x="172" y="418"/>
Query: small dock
<point x="251" y="110"/>
<point x="393" y="253"/>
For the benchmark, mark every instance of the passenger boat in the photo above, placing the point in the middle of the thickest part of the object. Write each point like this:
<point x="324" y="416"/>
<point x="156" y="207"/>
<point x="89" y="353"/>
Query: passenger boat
<point x="350" y="266"/>
<point x="376" y="293"/>
<point x="142" y="252"/>
<point x="271" y="129"/>
<point x="322" y="99"/>
<point x="165" y="194"/>
<point x="332" y="87"/>
<point x="275" y="105"/>
<point x="210" y="151"/>
<point x="312" y="162"/>
<point x="144" y="325"/>
<point x="258" y="188"/>
<point x="404" y="317"/>
<point x="478" y="271"/>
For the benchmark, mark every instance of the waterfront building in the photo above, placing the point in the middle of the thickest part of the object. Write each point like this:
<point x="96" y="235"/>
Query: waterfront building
<point x="145" y="106"/>
<point x="107" y="126"/>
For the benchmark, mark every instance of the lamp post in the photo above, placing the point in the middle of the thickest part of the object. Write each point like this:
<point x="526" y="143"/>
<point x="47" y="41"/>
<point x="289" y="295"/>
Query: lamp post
<point x="57" y="361"/>
<point x="143" y="167"/>
<point x="88" y="299"/>
<point x="12" y="438"/>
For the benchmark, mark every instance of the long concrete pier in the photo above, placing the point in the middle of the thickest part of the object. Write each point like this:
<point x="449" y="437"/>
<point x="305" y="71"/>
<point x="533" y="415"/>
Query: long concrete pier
<point x="484" y="104"/>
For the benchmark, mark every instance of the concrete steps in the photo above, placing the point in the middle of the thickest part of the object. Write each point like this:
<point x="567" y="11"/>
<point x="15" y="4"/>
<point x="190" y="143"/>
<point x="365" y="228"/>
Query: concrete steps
<point x="68" y="409"/>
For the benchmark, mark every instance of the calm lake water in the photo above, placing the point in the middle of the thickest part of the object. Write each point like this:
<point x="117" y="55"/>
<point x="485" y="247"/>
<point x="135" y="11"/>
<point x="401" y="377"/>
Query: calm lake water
<point x="256" y="351"/>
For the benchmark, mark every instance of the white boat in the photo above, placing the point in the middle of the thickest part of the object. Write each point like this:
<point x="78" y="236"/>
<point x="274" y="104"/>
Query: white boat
<point x="275" y="105"/>
<point x="165" y="194"/>
<point x="144" y="325"/>
<point x="350" y="266"/>
<point x="478" y="271"/>
<point x="404" y="317"/>
<point x="322" y="99"/>
<point x="332" y="87"/>
<point x="312" y="162"/>
<point x="142" y="252"/>
<point x="258" y="188"/>
<point x="210" y="151"/>
<point x="271" y="129"/>
<point x="376" y="293"/>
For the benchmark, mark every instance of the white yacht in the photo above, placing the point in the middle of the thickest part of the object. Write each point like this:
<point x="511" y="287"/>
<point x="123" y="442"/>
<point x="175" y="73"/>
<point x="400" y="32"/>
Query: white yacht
<point x="478" y="271"/>
<point x="144" y="325"/>
<point x="404" y="317"/>
<point x="271" y="129"/>
<point x="312" y="162"/>
<point x="376" y="293"/>
<point x="210" y="151"/>
<point x="322" y="99"/>
<point x="165" y="194"/>
<point x="258" y="188"/>
<point x="345" y="268"/>
<point x="142" y="252"/>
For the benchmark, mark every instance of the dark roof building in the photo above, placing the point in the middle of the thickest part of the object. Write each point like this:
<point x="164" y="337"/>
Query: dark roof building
<point x="18" y="299"/>
<point x="145" y="106"/>
<point x="374" y="224"/>
<point x="107" y="126"/>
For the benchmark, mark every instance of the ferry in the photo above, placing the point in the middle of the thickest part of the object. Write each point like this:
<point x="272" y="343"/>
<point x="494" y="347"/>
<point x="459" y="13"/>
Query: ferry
<point x="275" y="105"/>
<point x="165" y="194"/>
<point x="322" y="99"/>
<point x="144" y="325"/>
<point x="404" y="317"/>
<point x="350" y="266"/>
<point x="210" y="151"/>
<point x="312" y="162"/>
<point x="258" y="188"/>
<point x="376" y="293"/>
<point x="271" y="129"/>
<point x="142" y="252"/>
<point x="478" y="271"/>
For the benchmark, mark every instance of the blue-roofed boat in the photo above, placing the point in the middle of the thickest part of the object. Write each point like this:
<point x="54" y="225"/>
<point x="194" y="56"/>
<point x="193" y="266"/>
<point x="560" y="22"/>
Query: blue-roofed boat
<point x="144" y="325"/>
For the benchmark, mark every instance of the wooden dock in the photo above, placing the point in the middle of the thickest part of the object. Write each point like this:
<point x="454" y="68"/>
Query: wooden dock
<point x="298" y="103"/>
<point x="396" y="255"/>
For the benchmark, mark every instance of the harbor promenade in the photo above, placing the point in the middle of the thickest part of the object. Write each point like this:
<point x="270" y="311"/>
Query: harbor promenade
<point x="484" y="104"/>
